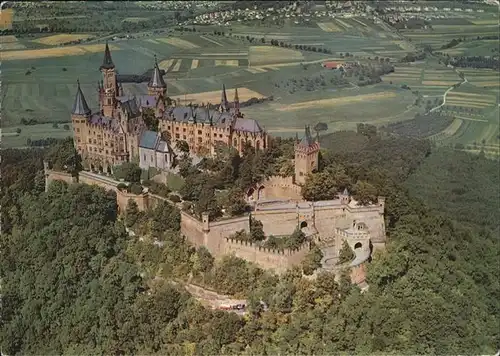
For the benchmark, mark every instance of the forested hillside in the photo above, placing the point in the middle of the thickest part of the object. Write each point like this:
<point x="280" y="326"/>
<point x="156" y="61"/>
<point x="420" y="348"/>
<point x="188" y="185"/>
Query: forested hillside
<point x="74" y="283"/>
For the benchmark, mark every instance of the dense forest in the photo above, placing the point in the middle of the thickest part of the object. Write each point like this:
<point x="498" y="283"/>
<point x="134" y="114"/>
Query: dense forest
<point x="73" y="281"/>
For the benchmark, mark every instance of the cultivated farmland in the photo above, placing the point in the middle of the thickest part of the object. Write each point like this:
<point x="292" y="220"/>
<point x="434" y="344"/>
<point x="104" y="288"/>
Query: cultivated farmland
<point x="61" y="39"/>
<point x="262" y="55"/>
<point x="54" y="52"/>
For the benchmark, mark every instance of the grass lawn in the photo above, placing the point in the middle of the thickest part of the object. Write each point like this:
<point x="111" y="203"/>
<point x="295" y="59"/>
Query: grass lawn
<point x="175" y="182"/>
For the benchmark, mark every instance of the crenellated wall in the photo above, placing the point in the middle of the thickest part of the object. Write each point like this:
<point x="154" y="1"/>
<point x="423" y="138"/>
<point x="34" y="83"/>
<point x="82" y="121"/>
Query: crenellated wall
<point x="329" y="218"/>
<point x="266" y="258"/>
<point x="276" y="187"/>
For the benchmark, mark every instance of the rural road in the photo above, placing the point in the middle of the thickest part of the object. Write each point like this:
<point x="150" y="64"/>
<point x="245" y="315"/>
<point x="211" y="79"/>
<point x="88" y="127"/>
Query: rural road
<point x="444" y="96"/>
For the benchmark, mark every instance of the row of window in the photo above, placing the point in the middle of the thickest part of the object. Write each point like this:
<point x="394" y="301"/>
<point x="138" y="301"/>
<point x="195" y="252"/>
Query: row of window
<point x="152" y="158"/>
<point x="191" y="132"/>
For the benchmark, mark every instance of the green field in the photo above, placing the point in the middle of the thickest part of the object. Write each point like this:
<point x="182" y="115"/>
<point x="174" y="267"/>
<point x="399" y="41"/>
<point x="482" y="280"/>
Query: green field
<point x="201" y="62"/>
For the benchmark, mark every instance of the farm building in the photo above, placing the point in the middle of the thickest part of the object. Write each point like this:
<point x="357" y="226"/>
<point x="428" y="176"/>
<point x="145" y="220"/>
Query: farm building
<point x="331" y="65"/>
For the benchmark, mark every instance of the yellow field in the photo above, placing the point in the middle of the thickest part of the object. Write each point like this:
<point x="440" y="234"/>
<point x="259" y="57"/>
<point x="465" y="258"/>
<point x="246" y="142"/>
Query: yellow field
<point x="11" y="46"/>
<point x="194" y="64"/>
<point x="346" y="25"/>
<point x="256" y="70"/>
<point x="485" y="22"/>
<point x="211" y="41"/>
<point x="329" y="27"/>
<point x="467" y="104"/>
<point x="8" y="39"/>
<point x="260" y="55"/>
<point x="134" y="19"/>
<point x="166" y="64"/>
<point x="55" y="52"/>
<point x="177" y="65"/>
<point x="453" y="128"/>
<point x="435" y="82"/>
<point x="487" y="99"/>
<point x="62" y="38"/>
<point x="150" y="40"/>
<point x="403" y="45"/>
<point x="244" y="94"/>
<point x="228" y="62"/>
<point x="6" y="17"/>
<point x="473" y="96"/>
<point x="178" y="42"/>
<point x="338" y="101"/>
<point x="406" y="75"/>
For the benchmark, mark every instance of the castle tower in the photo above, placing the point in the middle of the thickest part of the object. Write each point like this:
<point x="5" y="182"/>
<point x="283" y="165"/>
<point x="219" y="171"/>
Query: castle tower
<point x="110" y="83"/>
<point x="306" y="156"/>
<point x="157" y="85"/>
<point x="80" y="113"/>
<point x="224" y="104"/>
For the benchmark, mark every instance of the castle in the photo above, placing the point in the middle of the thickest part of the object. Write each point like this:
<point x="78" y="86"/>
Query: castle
<point x="118" y="132"/>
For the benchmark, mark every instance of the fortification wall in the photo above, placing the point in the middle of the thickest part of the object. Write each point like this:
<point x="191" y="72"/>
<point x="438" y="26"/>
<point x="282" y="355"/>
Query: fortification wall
<point x="326" y="219"/>
<point x="277" y="187"/>
<point x="63" y="176"/>
<point x="358" y="273"/>
<point x="373" y="218"/>
<point x="277" y="222"/>
<point x="279" y="261"/>
<point x="220" y="230"/>
<point x="193" y="230"/>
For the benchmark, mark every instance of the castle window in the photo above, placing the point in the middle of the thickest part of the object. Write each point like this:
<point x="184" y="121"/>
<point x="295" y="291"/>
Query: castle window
<point x="257" y="145"/>
<point x="235" y="142"/>
<point x="200" y="140"/>
<point x="107" y="152"/>
<point x="177" y="136"/>
<point x="144" y="157"/>
<point x="77" y="129"/>
<point x="183" y="129"/>
<point x="199" y="132"/>
<point x="176" y="129"/>
<point x="78" y="139"/>
<point x="301" y="174"/>
<point x="312" y="164"/>
<point x="90" y="140"/>
<point x="151" y="158"/>
<point x="168" y="127"/>
<point x="95" y="141"/>
<point x="184" y="137"/>
<point x="220" y="135"/>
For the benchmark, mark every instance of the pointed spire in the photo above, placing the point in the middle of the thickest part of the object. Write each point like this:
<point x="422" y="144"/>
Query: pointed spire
<point x="208" y="115"/>
<point x="156" y="80"/>
<point x="307" y="140"/>
<point x="236" y="100"/>
<point x="223" y="100"/>
<point x="80" y="106"/>
<point x="107" y="62"/>
<point x="297" y="137"/>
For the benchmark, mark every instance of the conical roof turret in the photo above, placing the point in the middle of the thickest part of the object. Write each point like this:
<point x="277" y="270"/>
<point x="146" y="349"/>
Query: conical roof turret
<point x="107" y="62"/>
<point x="80" y="106"/>
<point x="156" y="80"/>
<point x="223" y="100"/>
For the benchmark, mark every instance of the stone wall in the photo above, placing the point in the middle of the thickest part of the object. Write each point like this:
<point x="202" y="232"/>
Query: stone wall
<point x="277" y="187"/>
<point x="279" y="261"/>
<point x="193" y="230"/>
<point x="277" y="222"/>
<point x="219" y="230"/>
<point x="51" y="176"/>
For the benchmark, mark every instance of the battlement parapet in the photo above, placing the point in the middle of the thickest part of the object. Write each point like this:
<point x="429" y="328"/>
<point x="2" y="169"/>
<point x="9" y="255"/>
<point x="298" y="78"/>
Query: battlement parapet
<point x="268" y="250"/>
<point x="352" y="234"/>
